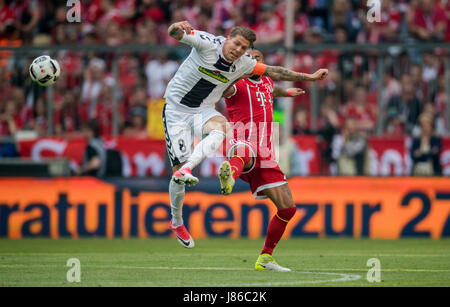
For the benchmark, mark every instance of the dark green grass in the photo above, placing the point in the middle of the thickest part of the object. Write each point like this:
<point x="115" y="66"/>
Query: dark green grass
<point x="223" y="262"/>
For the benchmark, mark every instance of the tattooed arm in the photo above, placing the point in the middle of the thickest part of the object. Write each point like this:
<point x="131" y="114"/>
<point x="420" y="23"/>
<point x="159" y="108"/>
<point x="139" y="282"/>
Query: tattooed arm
<point x="282" y="74"/>
<point x="177" y="29"/>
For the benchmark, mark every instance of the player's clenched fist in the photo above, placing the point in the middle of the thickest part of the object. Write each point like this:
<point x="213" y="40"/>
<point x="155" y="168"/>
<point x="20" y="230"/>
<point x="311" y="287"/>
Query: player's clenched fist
<point x="320" y="74"/>
<point x="176" y="30"/>
<point x="294" y="92"/>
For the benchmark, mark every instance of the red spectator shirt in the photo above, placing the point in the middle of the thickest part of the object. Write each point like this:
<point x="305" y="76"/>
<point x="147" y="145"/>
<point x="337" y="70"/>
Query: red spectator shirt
<point x="361" y="114"/>
<point x="274" y="25"/>
<point x="429" y="22"/>
<point x="6" y="15"/>
<point x="4" y="126"/>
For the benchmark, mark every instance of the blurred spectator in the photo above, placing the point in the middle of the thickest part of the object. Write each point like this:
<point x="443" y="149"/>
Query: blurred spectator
<point x="236" y="19"/>
<point x="387" y="30"/>
<point x="269" y="28"/>
<point x="429" y="21"/>
<point x="69" y="118"/>
<point x="26" y="15"/>
<point x="289" y="156"/>
<point x="6" y="16"/>
<point x="392" y="87"/>
<point x="438" y="119"/>
<point x="94" y="79"/>
<point x="129" y="75"/>
<point x="349" y="149"/>
<point x="104" y="111"/>
<point x="150" y="10"/>
<point x="426" y="149"/>
<point x="159" y="71"/>
<point x="365" y="114"/>
<point x="137" y="127"/>
<point x="342" y="15"/>
<point x="394" y="126"/>
<point x="39" y="121"/>
<point x="318" y="12"/>
<point x="147" y="32"/>
<point x="406" y="105"/>
<point x="440" y="104"/>
<point x="329" y="125"/>
<point x="430" y="67"/>
<point x="301" y="20"/>
<point x="300" y="125"/>
<point x="391" y="19"/>
<point x="10" y="120"/>
<point x="420" y="86"/>
<point x="94" y="159"/>
<point x="351" y="64"/>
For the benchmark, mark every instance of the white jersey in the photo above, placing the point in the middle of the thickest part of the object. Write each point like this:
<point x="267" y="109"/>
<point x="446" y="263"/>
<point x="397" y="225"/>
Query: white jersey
<point x="205" y="74"/>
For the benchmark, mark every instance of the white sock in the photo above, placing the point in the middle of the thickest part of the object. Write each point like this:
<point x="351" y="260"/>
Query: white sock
<point x="205" y="148"/>
<point x="176" y="192"/>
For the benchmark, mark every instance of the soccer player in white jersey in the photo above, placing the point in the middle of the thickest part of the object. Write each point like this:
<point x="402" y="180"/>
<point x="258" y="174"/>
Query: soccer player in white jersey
<point x="215" y="62"/>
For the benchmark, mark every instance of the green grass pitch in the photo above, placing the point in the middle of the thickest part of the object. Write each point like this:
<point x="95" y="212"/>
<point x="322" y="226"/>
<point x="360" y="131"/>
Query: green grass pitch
<point x="223" y="262"/>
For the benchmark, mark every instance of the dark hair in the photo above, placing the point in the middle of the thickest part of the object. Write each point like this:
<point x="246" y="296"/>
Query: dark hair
<point x="245" y="32"/>
<point x="94" y="126"/>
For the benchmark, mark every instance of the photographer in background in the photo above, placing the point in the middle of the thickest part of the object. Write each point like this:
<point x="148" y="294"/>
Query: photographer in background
<point x="94" y="160"/>
<point x="349" y="150"/>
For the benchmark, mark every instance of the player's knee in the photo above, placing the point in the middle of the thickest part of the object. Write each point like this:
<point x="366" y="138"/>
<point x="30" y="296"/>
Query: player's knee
<point x="222" y="126"/>
<point x="218" y="124"/>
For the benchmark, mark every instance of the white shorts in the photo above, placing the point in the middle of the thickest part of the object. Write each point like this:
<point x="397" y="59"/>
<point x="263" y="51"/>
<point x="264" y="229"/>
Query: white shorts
<point x="180" y="128"/>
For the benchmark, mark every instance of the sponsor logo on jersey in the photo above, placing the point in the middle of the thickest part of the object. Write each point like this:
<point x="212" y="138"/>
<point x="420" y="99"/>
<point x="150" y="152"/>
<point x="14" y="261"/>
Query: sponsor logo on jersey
<point x="213" y="74"/>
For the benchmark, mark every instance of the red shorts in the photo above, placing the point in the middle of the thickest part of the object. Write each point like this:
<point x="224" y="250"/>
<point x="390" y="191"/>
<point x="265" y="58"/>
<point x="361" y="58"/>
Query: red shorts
<point x="263" y="174"/>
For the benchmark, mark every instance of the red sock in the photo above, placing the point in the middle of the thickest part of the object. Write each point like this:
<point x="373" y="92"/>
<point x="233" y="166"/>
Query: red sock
<point x="276" y="228"/>
<point x="237" y="165"/>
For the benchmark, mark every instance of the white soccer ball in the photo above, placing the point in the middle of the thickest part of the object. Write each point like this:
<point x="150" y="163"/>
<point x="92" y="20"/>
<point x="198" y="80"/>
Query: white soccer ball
<point x="44" y="70"/>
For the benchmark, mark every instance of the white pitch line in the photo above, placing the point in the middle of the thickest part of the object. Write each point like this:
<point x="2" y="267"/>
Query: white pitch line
<point x="342" y="277"/>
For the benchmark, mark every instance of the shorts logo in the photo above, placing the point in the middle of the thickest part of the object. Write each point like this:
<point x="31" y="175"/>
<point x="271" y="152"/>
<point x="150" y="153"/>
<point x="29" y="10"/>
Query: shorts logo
<point x="182" y="145"/>
<point x="213" y="74"/>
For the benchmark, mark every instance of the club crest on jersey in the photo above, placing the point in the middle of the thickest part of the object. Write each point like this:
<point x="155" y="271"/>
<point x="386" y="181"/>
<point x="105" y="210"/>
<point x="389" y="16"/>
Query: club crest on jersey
<point x="213" y="74"/>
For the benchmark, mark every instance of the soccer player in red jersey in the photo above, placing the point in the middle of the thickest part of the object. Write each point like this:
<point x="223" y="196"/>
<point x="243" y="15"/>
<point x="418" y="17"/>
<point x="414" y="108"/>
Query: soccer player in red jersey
<point x="251" y="156"/>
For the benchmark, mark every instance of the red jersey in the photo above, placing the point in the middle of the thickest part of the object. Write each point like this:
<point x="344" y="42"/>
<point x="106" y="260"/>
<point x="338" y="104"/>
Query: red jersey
<point x="251" y="110"/>
<point x="252" y="101"/>
<point x="252" y="105"/>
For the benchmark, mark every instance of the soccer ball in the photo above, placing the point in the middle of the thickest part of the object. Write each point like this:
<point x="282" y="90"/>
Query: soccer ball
<point x="44" y="70"/>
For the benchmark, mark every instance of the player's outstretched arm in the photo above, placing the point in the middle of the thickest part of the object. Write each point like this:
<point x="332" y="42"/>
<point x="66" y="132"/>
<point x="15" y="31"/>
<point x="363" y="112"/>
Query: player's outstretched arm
<point x="283" y="74"/>
<point x="176" y="30"/>
<point x="290" y="92"/>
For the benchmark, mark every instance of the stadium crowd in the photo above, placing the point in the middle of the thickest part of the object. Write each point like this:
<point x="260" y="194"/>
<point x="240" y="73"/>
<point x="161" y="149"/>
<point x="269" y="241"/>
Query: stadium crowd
<point x="414" y="82"/>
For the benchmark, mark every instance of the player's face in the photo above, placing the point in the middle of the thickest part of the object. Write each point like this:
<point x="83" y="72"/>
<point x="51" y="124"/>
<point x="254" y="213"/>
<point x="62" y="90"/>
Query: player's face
<point x="235" y="47"/>
<point x="257" y="55"/>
